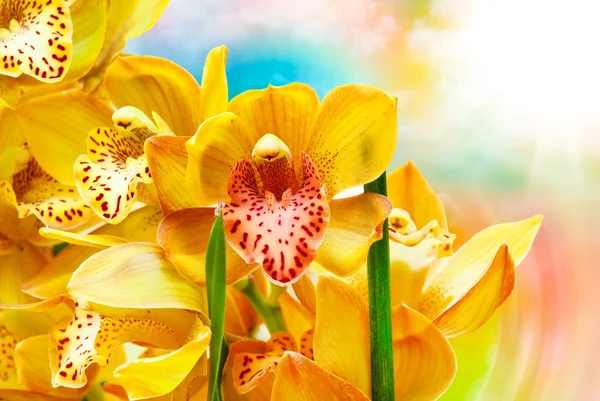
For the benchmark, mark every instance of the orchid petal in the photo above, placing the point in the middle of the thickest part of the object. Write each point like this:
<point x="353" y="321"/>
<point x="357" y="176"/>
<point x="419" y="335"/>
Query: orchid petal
<point x="15" y="268"/>
<point x="339" y="330"/>
<point x="355" y="223"/>
<point x="424" y="362"/>
<point x="184" y="237"/>
<point x="214" y="84"/>
<point x="260" y="393"/>
<point x="354" y="136"/>
<point x="300" y="379"/>
<point x="478" y="305"/>
<point x="469" y="263"/>
<point x="305" y="291"/>
<point x="298" y="320"/>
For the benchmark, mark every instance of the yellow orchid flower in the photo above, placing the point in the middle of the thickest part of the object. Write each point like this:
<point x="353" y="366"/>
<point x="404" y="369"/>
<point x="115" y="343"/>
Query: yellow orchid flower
<point x="108" y="176"/>
<point x="279" y="157"/>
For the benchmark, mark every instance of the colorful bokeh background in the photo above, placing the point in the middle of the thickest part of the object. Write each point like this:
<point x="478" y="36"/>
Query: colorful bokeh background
<point x="498" y="103"/>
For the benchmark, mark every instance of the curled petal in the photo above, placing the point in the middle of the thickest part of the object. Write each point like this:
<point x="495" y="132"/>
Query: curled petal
<point x="249" y="370"/>
<point x="354" y="136"/>
<point x="134" y="275"/>
<point x="184" y="237"/>
<point x="168" y="160"/>
<point x="300" y="379"/>
<point x="468" y="264"/>
<point x="355" y="224"/>
<point x="341" y="337"/>
<point x="479" y="304"/>
<point x="408" y="190"/>
<point x="144" y="378"/>
<point x="424" y="362"/>
<point x="37" y="41"/>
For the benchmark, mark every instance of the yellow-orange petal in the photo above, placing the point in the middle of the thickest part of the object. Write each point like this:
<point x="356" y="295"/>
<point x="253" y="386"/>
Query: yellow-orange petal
<point x="92" y="240"/>
<point x="353" y="136"/>
<point x="260" y="393"/>
<point x="154" y="84"/>
<point x="285" y="111"/>
<point x="249" y="370"/>
<point x="424" y="362"/>
<point x="478" y="305"/>
<point x="354" y="225"/>
<point x="214" y="96"/>
<point x="13" y="228"/>
<point x="65" y="118"/>
<point x="17" y="267"/>
<point x="184" y="237"/>
<point x="468" y="264"/>
<point x="298" y="320"/>
<point x="145" y="378"/>
<point x="240" y="316"/>
<point x="341" y="338"/>
<point x="300" y="379"/>
<point x="89" y="25"/>
<point x="305" y="291"/>
<point x="36" y="39"/>
<point x="408" y="190"/>
<point x="134" y="275"/>
<point x="213" y="151"/>
<point x="167" y="158"/>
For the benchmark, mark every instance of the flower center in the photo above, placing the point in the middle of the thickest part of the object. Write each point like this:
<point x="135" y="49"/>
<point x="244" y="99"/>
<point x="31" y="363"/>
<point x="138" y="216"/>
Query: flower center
<point x="273" y="161"/>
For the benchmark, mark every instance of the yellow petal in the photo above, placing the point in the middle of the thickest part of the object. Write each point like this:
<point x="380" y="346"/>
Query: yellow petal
<point x="132" y="18"/>
<point x="300" y="379"/>
<point x="89" y="337"/>
<point x="424" y="362"/>
<point x="54" y="204"/>
<point x="134" y="275"/>
<point x="263" y="391"/>
<point x="250" y="369"/>
<point x="13" y="228"/>
<point x="16" y="268"/>
<point x="214" y="150"/>
<point x="65" y="118"/>
<point x="355" y="224"/>
<point x="153" y="84"/>
<point x="157" y="376"/>
<point x="240" y="316"/>
<point x="184" y="237"/>
<point x="298" y="320"/>
<point x="478" y="305"/>
<point x="89" y="24"/>
<point x="305" y="291"/>
<point x="285" y="111"/>
<point x="409" y="266"/>
<point x="140" y="226"/>
<point x="408" y="190"/>
<point x="167" y="158"/>
<point x="214" y="84"/>
<point x="33" y="368"/>
<point x="341" y="338"/>
<point x="92" y="240"/>
<point x="36" y="40"/>
<point x="354" y="136"/>
<point x="469" y="263"/>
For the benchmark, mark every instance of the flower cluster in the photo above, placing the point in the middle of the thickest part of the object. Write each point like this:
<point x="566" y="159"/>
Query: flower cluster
<point x="112" y="169"/>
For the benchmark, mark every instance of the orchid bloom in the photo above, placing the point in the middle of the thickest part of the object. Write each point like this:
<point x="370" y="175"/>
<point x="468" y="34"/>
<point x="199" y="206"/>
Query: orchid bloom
<point x="109" y="176"/>
<point x="278" y="157"/>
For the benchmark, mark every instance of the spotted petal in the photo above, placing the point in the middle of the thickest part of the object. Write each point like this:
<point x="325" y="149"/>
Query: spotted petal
<point x="108" y="176"/>
<point x="249" y="370"/>
<point x="283" y="236"/>
<point x="38" y="39"/>
<point x="90" y="337"/>
<point x="260" y="393"/>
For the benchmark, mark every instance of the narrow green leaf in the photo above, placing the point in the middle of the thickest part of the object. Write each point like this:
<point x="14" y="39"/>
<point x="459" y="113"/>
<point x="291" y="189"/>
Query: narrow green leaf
<point x="380" y="309"/>
<point x="216" y="288"/>
<point x="56" y="249"/>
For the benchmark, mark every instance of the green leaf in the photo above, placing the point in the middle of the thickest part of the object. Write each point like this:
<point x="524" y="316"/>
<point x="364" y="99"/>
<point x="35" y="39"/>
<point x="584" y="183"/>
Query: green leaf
<point x="380" y="308"/>
<point x="56" y="249"/>
<point x="216" y="288"/>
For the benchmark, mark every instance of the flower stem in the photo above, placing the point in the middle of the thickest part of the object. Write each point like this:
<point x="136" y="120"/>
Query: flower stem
<point x="270" y="314"/>
<point x="380" y="311"/>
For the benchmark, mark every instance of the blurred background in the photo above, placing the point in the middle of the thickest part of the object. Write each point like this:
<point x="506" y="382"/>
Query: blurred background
<point x="499" y="104"/>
